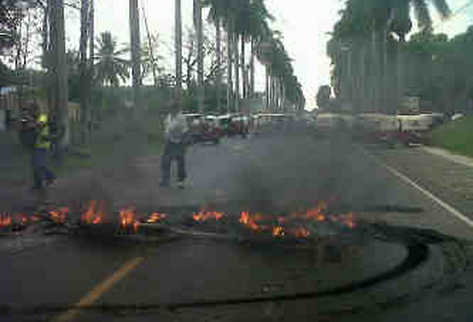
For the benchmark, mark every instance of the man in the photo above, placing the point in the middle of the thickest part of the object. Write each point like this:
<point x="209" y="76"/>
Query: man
<point x="175" y="137"/>
<point x="41" y="174"/>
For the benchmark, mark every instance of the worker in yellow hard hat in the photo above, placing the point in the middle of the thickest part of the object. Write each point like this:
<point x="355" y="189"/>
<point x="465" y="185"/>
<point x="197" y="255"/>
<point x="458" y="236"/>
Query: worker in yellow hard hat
<point x="41" y="147"/>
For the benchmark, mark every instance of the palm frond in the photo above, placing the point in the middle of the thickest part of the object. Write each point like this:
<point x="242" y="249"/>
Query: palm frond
<point x="422" y="13"/>
<point x="442" y="8"/>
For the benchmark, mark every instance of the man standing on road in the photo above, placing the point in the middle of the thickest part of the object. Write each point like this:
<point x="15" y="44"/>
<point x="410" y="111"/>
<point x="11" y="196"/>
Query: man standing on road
<point x="41" y="147"/>
<point x="174" y="147"/>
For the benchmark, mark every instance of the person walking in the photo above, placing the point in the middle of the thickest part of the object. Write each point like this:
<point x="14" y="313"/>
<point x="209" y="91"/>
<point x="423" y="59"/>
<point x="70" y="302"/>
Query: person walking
<point x="42" y="144"/>
<point x="176" y="137"/>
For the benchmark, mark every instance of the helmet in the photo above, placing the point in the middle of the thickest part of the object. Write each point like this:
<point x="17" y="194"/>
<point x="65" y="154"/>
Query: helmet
<point x="43" y="118"/>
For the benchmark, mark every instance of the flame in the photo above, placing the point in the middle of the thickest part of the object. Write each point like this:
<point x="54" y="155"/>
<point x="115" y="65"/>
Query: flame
<point x="204" y="215"/>
<point x="21" y="219"/>
<point x="300" y="232"/>
<point x="285" y="224"/>
<point x="315" y="213"/>
<point x="349" y="220"/>
<point x="95" y="213"/>
<point x="59" y="215"/>
<point x="127" y="219"/>
<point x="278" y="231"/>
<point x="5" y="220"/>
<point x="155" y="217"/>
<point x="250" y="221"/>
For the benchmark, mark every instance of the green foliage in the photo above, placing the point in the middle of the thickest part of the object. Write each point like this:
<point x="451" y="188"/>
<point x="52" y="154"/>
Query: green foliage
<point x="455" y="136"/>
<point x="110" y="65"/>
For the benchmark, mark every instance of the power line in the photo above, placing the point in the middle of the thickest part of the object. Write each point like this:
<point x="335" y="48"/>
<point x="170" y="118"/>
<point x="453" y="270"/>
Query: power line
<point x="456" y="13"/>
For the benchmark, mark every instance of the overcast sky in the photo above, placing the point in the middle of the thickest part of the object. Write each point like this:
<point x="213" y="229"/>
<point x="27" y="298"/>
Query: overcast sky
<point x="304" y="24"/>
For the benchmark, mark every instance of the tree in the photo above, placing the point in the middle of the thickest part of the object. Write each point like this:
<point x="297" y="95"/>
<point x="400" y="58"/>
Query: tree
<point x="323" y="96"/>
<point x="198" y="25"/>
<point x="371" y="21"/>
<point x="150" y="58"/>
<point x="135" y="52"/>
<point x="59" y="71"/>
<point x="110" y="66"/>
<point x="178" y="49"/>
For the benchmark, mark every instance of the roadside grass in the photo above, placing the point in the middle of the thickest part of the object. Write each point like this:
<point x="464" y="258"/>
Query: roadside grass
<point x="456" y="136"/>
<point x="112" y="145"/>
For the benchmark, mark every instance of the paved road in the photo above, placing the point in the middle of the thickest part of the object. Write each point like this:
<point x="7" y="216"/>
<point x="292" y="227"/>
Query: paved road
<point x="276" y="173"/>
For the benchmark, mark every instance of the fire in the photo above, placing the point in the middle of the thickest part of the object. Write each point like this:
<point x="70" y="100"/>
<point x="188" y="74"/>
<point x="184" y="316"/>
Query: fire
<point x="204" y="215"/>
<point x="278" y="231"/>
<point x="315" y="213"/>
<point x="300" y="232"/>
<point x="59" y="216"/>
<point x="5" y="220"/>
<point x="250" y="221"/>
<point x="128" y="221"/>
<point x="293" y="224"/>
<point x="21" y="219"/>
<point x="155" y="217"/>
<point x="95" y="213"/>
<point x="349" y="220"/>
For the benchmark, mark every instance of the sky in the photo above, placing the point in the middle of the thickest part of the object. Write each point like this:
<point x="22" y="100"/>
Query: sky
<point x="303" y="23"/>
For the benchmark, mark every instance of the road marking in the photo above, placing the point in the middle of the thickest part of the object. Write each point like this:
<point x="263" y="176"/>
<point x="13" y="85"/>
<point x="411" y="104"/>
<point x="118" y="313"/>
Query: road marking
<point x="427" y="193"/>
<point x="100" y="289"/>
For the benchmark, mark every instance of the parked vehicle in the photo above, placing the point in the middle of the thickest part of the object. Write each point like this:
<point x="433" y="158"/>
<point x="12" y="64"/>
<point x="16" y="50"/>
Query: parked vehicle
<point x="205" y="129"/>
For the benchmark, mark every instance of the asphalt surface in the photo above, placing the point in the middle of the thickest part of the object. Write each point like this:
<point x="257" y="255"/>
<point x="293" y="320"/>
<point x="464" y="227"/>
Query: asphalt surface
<point x="44" y="279"/>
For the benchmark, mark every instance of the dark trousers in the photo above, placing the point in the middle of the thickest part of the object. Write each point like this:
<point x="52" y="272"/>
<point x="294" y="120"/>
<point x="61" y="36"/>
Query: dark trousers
<point x="40" y="170"/>
<point x="176" y="152"/>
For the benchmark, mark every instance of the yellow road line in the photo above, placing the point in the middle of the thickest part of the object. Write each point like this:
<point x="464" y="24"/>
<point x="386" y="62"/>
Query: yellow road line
<point x="100" y="289"/>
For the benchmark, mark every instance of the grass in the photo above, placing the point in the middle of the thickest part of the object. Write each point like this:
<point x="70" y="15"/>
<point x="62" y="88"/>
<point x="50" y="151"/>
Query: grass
<point x="112" y="145"/>
<point x="456" y="136"/>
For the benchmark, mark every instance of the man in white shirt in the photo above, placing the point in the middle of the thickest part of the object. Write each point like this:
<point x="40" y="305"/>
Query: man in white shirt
<point x="176" y="132"/>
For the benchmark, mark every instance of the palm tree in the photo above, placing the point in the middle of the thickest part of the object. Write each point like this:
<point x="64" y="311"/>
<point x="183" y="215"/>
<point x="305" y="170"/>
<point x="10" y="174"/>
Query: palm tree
<point x="402" y="24"/>
<point x="84" y="81"/>
<point x="110" y="67"/>
<point x="217" y="14"/>
<point x="198" y="25"/>
<point x="365" y="19"/>
<point x="135" y="51"/>
<point x="259" y="31"/>
<point x="178" y="49"/>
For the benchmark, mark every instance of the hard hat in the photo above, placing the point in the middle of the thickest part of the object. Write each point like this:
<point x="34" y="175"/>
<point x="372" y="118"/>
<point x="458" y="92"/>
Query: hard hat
<point x="43" y="118"/>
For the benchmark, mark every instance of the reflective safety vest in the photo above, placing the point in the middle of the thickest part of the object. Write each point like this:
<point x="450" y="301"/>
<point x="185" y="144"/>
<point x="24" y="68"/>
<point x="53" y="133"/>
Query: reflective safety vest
<point x="42" y="139"/>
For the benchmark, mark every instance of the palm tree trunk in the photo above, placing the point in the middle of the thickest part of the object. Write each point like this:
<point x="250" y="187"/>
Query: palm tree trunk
<point x="59" y="67"/>
<point x="243" y="67"/>
<point x="200" y="56"/>
<point x="229" y="71"/>
<point x="84" y="97"/>
<point x="178" y="49"/>
<point x="135" y="52"/>
<point x="400" y="70"/>
<point x="267" y="87"/>
<point x="375" y="84"/>
<point x="237" y="73"/>
<point x="218" y="49"/>
<point x="252" y="68"/>
<point x="387" y="108"/>
<point x="91" y="73"/>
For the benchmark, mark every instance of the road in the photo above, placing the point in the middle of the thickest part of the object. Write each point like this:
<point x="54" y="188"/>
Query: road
<point x="46" y="279"/>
